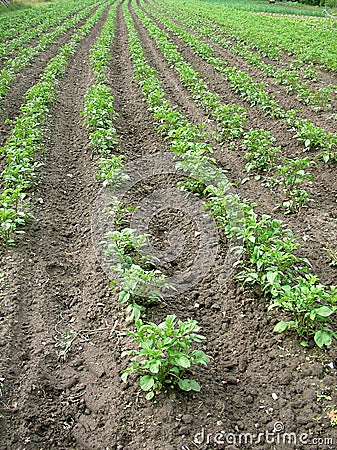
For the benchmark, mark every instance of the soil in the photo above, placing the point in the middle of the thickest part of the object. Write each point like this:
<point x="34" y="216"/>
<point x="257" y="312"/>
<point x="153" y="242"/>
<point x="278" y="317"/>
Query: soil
<point x="63" y="330"/>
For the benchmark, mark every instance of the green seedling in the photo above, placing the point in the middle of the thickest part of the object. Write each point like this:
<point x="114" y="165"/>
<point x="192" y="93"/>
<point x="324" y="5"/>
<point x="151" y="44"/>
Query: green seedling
<point x="260" y="153"/>
<point x="165" y="355"/>
<point x="124" y="248"/>
<point x="110" y="171"/>
<point x="289" y="176"/>
<point x="313" y="306"/>
<point x="118" y="211"/>
<point x="138" y="288"/>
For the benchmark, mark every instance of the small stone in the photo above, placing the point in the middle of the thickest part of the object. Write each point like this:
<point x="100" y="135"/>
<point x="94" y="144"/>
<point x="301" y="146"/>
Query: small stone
<point x="231" y="380"/>
<point x="249" y="399"/>
<point x="186" y="418"/>
<point x="242" y="364"/>
<point x="302" y="420"/>
<point x="275" y="396"/>
<point x="216" y="306"/>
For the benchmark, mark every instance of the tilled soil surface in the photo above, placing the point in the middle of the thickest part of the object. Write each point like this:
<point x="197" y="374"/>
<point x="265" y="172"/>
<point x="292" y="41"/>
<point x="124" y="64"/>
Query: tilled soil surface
<point x="63" y="331"/>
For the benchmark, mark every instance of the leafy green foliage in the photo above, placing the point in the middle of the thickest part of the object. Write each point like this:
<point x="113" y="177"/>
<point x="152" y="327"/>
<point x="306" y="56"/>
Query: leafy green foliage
<point x="25" y="139"/>
<point x="271" y="263"/>
<point x="26" y="55"/>
<point x="260" y="153"/>
<point x="165" y="355"/>
<point x="290" y="176"/>
<point x="312" y="306"/>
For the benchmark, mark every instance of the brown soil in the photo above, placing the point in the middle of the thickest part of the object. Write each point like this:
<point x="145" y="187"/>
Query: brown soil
<point x="57" y="397"/>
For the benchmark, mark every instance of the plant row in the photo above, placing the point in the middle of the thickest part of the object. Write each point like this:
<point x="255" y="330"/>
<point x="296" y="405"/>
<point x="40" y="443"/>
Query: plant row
<point x="25" y="139"/>
<point x="308" y="40"/>
<point x="14" y="24"/>
<point x="269" y="261"/>
<point x="312" y="136"/>
<point x="261" y="153"/>
<point x="26" y="55"/>
<point x="287" y="77"/>
<point x="52" y="17"/>
<point x="164" y="351"/>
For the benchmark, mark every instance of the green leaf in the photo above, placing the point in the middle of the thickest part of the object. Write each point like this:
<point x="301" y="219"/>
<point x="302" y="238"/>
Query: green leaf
<point x="200" y="357"/>
<point x="149" y="395"/>
<point x="146" y="382"/>
<point x="284" y="326"/>
<point x="324" y="311"/>
<point x="326" y="157"/>
<point x="189" y="385"/>
<point x="124" y="296"/>
<point x="169" y="322"/>
<point x="307" y="143"/>
<point x="184" y="385"/>
<point x="182" y="361"/>
<point x="124" y="376"/>
<point x="195" y="386"/>
<point x="323" y="338"/>
<point x="155" y="366"/>
<point x="271" y="277"/>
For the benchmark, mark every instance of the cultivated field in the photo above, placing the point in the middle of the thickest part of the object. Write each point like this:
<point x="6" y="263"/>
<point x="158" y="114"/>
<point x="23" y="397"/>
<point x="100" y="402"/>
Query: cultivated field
<point x="168" y="165"/>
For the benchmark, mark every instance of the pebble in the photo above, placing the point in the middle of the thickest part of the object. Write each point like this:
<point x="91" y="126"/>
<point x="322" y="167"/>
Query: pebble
<point x="186" y="418"/>
<point x="275" y="396"/>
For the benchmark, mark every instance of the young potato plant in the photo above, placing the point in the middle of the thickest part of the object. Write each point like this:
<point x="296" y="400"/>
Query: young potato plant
<point x="118" y="212"/>
<point x="136" y="281"/>
<point x="99" y="116"/>
<point x="260" y="153"/>
<point x="312" y="305"/>
<point x="124" y="248"/>
<point x="165" y="355"/>
<point x="110" y="171"/>
<point x="25" y="139"/>
<point x="254" y="93"/>
<point x="269" y="249"/>
<point x="138" y="288"/>
<point x="290" y="176"/>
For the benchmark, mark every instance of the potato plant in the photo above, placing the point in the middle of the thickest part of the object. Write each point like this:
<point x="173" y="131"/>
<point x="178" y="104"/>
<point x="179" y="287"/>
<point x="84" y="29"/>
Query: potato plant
<point x="25" y="139"/>
<point x="271" y="262"/>
<point x="165" y="355"/>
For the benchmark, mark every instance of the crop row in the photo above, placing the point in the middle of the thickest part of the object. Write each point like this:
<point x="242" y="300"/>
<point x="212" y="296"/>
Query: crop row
<point x="231" y="120"/>
<point x="269" y="261"/>
<point x="164" y="350"/>
<point x="308" y="40"/>
<point x="287" y="77"/>
<point x="26" y="55"/>
<point x="15" y="24"/>
<point x="52" y="17"/>
<point x="25" y="139"/>
<point x="312" y="136"/>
